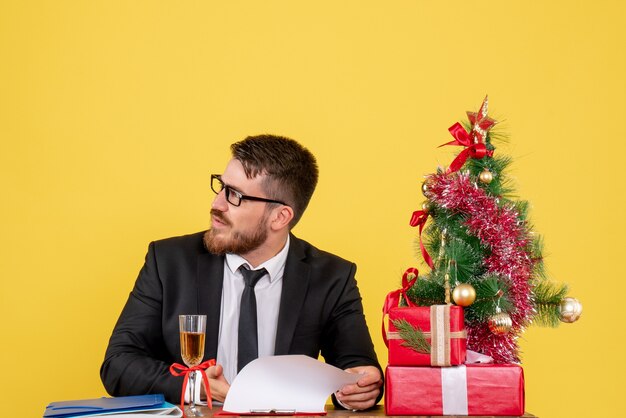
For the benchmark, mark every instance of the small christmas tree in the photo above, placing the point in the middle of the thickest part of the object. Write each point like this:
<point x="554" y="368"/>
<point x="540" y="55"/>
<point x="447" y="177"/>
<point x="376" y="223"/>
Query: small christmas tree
<point x="485" y="255"/>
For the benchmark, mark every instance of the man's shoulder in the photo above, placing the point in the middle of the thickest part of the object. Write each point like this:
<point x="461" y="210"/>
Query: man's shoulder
<point x="188" y="243"/>
<point x="312" y="253"/>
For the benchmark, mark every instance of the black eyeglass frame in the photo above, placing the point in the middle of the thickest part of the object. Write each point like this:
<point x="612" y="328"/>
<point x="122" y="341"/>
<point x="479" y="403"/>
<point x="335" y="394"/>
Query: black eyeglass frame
<point x="229" y="191"/>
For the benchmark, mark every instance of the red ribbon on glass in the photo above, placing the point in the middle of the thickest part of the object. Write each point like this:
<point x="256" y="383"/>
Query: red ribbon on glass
<point x="178" y="369"/>
<point x="476" y="150"/>
<point x="393" y="298"/>
<point x="419" y="218"/>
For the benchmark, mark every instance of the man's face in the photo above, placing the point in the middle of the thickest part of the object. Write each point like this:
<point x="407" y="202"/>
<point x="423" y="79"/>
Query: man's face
<point x="237" y="229"/>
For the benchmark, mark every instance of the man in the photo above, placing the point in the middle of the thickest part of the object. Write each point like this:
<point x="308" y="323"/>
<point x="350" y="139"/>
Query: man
<point x="307" y="300"/>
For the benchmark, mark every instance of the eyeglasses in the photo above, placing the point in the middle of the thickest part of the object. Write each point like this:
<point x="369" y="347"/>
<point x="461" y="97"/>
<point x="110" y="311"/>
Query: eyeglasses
<point x="233" y="196"/>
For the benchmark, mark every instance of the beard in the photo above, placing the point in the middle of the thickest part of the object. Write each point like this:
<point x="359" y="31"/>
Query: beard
<point x="235" y="242"/>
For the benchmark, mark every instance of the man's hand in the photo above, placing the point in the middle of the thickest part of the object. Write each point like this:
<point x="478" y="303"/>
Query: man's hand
<point x="217" y="382"/>
<point x="363" y="394"/>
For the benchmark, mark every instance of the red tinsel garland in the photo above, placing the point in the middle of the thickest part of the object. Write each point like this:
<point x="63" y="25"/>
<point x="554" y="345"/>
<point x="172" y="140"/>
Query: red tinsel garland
<point x="500" y="229"/>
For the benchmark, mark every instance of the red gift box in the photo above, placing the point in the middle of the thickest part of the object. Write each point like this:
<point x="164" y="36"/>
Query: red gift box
<point x="442" y="327"/>
<point x="477" y="389"/>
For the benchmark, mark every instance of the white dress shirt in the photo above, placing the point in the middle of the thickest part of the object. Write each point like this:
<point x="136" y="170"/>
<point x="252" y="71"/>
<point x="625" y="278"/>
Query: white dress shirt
<point x="267" y="291"/>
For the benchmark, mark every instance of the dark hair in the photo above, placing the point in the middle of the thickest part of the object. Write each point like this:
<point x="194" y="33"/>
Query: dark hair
<point x="291" y="169"/>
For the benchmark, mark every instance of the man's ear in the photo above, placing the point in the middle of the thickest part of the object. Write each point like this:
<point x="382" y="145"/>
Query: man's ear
<point x="282" y="217"/>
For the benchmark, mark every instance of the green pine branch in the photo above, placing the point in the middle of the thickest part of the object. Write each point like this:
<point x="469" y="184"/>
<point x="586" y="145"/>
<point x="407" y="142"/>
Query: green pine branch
<point x="491" y="293"/>
<point x="465" y="261"/>
<point x="454" y="225"/>
<point x="522" y="208"/>
<point x="500" y="185"/>
<point x="536" y="253"/>
<point x="548" y="296"/>
<point x="427" y="290"/>
<point x="413" y="337"/>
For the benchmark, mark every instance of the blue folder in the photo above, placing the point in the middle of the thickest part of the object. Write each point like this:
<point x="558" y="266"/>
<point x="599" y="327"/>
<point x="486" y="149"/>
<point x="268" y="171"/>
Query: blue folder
<point x="86" y="407"/>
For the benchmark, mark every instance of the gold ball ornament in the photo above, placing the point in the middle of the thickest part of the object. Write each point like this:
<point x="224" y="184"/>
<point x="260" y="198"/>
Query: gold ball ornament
<point x="485" y="176"/>
<point x="425" y="187"/>
<point x="500" y="323"/>
<point x="464" y="294"/>
<point x="570" y="310"/>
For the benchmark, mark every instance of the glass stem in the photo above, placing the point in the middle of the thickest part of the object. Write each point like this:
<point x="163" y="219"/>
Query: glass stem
<point x="192" y="400"/>
<point x="192" y="392"/>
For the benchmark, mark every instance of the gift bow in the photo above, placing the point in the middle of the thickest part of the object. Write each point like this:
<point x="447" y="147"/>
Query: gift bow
<point x="474" y="141"/>
<point x="393" y="298"/>
<point x="474" y="147"/>
<point x="419" y="218"/>
<point x="178" y="369"/>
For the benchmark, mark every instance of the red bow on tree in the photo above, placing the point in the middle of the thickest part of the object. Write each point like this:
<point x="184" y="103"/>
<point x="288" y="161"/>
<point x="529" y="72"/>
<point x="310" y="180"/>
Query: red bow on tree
<point x="419" y="218"/>
<point x="473" y="141"/>
<point x="178" y="369"/>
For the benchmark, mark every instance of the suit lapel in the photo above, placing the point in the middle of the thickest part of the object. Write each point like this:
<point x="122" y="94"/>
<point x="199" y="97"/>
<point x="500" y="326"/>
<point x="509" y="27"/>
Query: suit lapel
<point x="295" y="285"/>
<point x="210" y="281"/>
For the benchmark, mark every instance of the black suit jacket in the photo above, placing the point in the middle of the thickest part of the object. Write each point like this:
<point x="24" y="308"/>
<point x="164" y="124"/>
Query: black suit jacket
<point x="320" y="311"/>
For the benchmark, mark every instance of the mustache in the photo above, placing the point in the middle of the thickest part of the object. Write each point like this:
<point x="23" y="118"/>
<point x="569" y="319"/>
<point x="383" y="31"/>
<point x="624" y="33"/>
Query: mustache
<point x="219" y="216"/>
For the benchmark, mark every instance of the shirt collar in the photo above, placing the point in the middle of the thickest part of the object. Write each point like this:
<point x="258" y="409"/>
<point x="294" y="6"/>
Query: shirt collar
<point x="274" y="265"/>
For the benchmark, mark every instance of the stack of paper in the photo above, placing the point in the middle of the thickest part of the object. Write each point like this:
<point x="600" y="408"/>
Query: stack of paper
<point x="125" y="406"/>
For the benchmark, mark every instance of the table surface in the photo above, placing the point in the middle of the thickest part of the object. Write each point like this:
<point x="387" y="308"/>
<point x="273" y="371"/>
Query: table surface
<point x="379" y="411"/>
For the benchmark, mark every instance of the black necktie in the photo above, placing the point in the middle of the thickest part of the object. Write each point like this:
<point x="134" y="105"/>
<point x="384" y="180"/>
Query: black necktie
<point x="248" y="341"/>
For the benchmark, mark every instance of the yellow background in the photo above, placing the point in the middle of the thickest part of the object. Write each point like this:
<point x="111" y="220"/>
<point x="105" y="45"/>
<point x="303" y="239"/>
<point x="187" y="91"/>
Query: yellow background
<point x="114" y="113"/>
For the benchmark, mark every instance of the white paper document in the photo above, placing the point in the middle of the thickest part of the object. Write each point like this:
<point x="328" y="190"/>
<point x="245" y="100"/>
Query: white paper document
<point x="285" y="384"/>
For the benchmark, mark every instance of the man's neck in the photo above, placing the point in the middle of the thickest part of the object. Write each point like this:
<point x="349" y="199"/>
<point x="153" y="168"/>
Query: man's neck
<point x="267" y="250"/>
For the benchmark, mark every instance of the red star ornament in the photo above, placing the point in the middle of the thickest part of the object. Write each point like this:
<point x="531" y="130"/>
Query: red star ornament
<point x="481" y="123"/>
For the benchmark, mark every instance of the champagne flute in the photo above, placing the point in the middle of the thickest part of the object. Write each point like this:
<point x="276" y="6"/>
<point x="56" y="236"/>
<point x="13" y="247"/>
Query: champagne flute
<point x="192" y="335"/>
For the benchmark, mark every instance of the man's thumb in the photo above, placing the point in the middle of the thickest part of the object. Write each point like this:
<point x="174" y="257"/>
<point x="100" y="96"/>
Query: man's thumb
<point x="214" y="372"/>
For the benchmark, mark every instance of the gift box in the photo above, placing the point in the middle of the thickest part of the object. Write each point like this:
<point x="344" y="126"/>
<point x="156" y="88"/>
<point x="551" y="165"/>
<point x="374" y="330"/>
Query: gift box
<point x="477" y="389"/>
<point x="443" y="328"/>
<point x="422" y="335"/>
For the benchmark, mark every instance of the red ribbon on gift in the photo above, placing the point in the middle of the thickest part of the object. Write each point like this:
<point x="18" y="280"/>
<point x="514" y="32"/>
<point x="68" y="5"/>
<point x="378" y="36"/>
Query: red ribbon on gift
<point x="474" y="147"/>
<point x="393" y="298"/>
<point x="419" y="218"/>
<point x="178" y="369"/>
